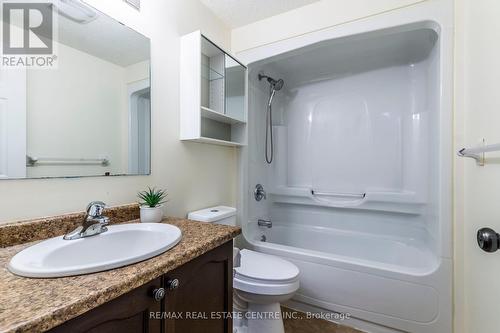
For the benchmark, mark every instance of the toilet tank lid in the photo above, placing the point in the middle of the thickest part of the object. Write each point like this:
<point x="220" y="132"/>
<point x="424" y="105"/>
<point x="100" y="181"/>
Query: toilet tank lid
<point x="212" y="214"/>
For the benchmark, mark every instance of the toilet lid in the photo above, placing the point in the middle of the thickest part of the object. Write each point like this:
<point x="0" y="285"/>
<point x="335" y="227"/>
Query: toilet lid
<point x="261" y="266"/>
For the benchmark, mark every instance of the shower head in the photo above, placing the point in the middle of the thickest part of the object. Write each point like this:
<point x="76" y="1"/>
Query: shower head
<point x="275" y="84"/>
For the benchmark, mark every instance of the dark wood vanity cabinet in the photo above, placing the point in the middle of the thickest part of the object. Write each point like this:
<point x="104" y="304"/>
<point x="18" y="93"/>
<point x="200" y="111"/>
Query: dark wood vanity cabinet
<point x="198" y="297"/>
<point x="127" y="313"/>
<point x="204" y="296"/>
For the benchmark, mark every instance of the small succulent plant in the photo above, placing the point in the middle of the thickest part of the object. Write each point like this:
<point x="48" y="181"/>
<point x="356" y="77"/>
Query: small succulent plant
<point x="152" y="197"/>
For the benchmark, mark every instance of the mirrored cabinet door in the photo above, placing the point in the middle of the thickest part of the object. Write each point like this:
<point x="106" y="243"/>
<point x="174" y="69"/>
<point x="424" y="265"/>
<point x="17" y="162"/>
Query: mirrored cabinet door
<point x="212" y="76"/>
<point x="235" y="88"/>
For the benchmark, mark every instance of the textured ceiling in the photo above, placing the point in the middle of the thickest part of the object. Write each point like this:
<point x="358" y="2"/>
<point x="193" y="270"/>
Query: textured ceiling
<point x="237" y="13"/>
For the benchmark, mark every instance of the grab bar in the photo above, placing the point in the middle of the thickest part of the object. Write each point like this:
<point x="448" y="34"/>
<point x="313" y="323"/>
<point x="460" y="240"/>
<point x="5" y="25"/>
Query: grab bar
<point x="34" y="161"/>
<point x="478" y="152"/>
<point x="333" y="194"/>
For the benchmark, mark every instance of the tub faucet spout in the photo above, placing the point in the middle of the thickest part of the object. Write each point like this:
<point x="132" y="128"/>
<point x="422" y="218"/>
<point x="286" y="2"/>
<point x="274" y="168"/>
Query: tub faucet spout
<point x="265" y="223"/>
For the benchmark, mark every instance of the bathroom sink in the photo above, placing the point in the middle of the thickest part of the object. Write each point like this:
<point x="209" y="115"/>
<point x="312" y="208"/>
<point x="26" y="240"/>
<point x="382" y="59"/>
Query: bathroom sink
<point x="121" y="245"/>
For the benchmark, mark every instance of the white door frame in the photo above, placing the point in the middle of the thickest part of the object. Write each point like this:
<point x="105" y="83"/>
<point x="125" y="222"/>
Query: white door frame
<point x="135" y="89"/>
<point x="12" y="123"/>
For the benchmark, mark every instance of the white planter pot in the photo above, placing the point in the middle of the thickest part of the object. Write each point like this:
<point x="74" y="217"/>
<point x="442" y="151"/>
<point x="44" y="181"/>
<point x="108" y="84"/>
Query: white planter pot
<point x="151" y="214"/>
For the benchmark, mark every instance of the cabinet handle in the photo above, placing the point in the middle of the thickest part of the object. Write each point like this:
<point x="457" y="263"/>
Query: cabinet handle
<point x="173" y="284"/>
<point x="158" y="294"/>
<point x="488" y="240"/>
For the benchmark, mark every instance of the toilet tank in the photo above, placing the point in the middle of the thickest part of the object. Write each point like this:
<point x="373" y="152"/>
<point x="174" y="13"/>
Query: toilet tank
<point x="219" y="214"/>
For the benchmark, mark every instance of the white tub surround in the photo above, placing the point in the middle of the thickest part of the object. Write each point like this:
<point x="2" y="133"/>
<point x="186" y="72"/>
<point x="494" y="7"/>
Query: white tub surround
<point x="359" y="192"/>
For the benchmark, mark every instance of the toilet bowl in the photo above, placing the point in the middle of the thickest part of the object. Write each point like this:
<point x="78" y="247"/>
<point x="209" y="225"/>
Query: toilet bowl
<point x="260" y="281"/>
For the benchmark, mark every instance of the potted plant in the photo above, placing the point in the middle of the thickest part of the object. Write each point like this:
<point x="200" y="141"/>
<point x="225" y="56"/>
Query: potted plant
<point x="151" y="205"/>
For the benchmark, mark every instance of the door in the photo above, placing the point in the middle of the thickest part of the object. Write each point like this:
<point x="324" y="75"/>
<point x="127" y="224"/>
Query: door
<point x="139" y="98"/>
<point x="204" y="294"/>
<point x="129" y="313"/>
<point x="12" y="123"/>
<point x="477" y="188"/>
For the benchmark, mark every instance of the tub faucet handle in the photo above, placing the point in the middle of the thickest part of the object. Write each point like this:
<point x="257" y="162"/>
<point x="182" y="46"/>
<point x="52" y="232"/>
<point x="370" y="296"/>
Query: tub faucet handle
<point x="259" y="192"/>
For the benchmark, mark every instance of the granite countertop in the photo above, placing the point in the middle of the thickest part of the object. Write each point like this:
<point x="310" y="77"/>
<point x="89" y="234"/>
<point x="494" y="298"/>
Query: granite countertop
<point x="33" y="305"/>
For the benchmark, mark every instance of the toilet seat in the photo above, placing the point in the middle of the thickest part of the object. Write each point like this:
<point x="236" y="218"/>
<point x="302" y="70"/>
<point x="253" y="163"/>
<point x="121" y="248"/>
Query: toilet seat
<point x="265" y="274"/>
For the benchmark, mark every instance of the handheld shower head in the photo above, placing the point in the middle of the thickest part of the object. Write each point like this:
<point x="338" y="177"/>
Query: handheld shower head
<point x="275" y="84"/>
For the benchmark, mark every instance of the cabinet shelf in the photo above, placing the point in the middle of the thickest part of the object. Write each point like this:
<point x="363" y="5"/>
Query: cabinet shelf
<point x="210" y="74"/>
<point x="218" y="142"/>
<point x="220" y="117"/>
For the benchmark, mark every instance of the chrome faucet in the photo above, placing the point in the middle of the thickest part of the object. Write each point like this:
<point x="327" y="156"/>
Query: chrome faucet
<point x="94" y="222"/>
<point x="265" y="223"/>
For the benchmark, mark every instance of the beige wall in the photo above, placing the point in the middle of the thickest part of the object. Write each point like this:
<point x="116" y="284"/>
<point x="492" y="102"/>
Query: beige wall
<point x="137" y="72"/>
<point x="313" y="17"/>
<point x="195" y="175"/>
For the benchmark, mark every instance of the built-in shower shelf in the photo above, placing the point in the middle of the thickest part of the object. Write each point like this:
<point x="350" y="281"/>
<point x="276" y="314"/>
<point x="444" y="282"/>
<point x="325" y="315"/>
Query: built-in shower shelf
<point x="218" y="116"/>
<point x="402" y="202"/>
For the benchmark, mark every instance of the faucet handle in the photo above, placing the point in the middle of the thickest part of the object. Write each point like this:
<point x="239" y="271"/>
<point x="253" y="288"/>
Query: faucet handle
<point x="259" y="192"/>
<point x="95" y="208"/>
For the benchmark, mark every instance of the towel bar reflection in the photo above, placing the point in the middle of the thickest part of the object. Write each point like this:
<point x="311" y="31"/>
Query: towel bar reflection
<point x="478" y="152"/>
<point x="34" y="161"/>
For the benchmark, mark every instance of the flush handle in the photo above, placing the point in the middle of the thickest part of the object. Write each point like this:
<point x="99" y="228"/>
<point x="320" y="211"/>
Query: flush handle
<point x="488" y="239"/>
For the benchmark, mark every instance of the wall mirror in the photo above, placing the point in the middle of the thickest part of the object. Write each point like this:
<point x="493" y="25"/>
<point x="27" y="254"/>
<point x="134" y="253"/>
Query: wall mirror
<point x="90" y="114"/>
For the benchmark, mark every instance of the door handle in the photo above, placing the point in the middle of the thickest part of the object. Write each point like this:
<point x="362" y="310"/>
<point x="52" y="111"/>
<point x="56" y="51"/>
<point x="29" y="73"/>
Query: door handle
<point x="488" y="239"/>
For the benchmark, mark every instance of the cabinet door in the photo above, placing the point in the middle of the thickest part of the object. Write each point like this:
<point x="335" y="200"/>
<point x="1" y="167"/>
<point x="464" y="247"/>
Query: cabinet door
<point x="127" y="313"/>
<point x="204" y="293"/>
<point x="235" y="85"/>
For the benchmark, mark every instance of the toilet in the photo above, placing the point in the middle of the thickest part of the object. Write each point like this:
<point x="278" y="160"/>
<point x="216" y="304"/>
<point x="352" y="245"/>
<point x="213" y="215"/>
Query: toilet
<point x="260" y="281"/>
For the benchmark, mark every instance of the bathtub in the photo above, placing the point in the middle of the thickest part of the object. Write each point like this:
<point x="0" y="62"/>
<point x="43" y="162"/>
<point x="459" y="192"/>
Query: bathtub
<point x="351" y="273"/>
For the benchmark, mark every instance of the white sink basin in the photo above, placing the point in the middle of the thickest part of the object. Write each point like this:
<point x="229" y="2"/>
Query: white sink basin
<point x="121" y="245"/>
